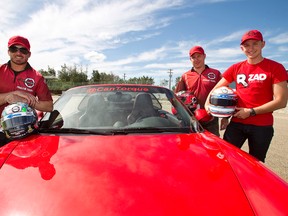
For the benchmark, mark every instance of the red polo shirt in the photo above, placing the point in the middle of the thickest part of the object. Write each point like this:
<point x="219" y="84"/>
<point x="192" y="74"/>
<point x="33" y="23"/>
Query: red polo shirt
<point x="29" y="80"/>
<point x="199" y="84"/>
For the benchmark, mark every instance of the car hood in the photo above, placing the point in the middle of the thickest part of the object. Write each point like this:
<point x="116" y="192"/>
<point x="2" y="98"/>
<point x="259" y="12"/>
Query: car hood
<point x="131" y="175"/>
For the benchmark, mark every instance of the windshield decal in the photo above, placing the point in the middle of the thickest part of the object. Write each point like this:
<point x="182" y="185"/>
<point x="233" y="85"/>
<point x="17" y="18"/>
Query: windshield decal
<point x="117" y="88"/>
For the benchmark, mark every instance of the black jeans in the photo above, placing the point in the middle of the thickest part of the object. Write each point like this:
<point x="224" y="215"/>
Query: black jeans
<point x="213" y="126"/>
<point x="3" y="139"/>
<point x="259" y="138"/>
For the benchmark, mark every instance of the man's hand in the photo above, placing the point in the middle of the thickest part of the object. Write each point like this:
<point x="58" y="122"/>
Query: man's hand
<point x="242" y="113"/>
<point x="20" y="96"/>
<point x="224" y="122"/>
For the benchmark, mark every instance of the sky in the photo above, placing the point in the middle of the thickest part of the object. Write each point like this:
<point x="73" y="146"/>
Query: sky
<point x="135" y="38"/>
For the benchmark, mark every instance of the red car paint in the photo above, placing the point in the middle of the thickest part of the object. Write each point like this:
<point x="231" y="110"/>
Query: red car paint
<point x="135" y="175"/>
<point x="167" y="174"/>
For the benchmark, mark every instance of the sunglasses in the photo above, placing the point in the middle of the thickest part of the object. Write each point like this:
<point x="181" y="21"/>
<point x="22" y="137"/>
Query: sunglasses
<point x="14" y="49"/>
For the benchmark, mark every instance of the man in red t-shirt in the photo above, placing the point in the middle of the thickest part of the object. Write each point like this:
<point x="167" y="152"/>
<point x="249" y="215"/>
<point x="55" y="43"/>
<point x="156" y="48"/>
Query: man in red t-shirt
<point x="19" y="82"/>
<point x="200" y="80"/>
<point x="261" y="88"/>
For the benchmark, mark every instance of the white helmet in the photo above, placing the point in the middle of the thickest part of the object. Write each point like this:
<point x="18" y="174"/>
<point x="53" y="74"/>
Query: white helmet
<point x="18" y="120"/>
<point x="223" y="102"/>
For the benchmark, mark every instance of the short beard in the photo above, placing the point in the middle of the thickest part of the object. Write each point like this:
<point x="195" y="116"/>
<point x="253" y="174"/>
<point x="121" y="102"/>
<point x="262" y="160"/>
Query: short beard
<point x="17" y="63"/>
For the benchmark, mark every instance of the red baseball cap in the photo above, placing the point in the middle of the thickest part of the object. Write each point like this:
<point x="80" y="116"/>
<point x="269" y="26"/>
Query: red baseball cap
<point x="252" y="34"/>
<point x="19" y="40"/>
<point x="196" y="49"/>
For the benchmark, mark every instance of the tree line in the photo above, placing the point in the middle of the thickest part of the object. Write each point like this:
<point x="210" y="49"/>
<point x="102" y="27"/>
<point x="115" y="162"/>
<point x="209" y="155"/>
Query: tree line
<point x="71" y="76"/>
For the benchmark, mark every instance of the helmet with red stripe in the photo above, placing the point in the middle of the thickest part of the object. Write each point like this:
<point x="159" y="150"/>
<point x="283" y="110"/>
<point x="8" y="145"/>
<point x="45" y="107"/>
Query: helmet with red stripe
<point x="223" y="101"/>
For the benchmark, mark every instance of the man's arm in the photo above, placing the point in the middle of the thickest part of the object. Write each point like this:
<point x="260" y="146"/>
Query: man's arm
<point x="279" y="101"/>
<point x="31" y="100"/>
<point x="181" y="86"/>
<point x="17" y="96"/>
<point x="280" y="93"/>
<point x="45" y="106"/>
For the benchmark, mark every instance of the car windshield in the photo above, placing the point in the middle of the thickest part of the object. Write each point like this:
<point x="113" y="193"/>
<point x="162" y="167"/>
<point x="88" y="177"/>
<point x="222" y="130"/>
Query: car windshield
<point x="119" y="108"/>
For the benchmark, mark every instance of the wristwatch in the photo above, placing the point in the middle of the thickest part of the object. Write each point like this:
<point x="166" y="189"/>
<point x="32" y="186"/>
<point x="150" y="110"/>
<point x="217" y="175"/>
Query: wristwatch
<point x="252" y="112"/>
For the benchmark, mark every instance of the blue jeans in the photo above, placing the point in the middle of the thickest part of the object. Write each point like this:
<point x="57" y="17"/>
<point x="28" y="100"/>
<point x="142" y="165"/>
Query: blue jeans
<point x="259" y="138"/>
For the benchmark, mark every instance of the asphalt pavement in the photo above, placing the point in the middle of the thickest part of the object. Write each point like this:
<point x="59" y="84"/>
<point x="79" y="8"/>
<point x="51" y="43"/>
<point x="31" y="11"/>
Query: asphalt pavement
<point x="277" y="156"/>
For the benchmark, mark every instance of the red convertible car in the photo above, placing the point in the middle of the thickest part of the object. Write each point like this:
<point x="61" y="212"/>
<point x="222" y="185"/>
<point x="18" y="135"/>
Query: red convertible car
<point x="113" y="150"/>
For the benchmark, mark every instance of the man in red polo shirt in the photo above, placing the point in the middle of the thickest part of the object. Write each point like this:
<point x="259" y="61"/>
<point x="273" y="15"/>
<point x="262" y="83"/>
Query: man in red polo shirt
<point x="200" y="80"/>
<point x="19" y="82"/>
<point x="261" y="88"/>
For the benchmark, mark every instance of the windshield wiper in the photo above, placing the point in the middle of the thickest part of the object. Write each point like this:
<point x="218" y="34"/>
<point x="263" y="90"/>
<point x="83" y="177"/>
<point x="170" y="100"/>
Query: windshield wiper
<point x="73" y="131"/>
<point x="148" y="130"/>
<point x="111" y="131"/>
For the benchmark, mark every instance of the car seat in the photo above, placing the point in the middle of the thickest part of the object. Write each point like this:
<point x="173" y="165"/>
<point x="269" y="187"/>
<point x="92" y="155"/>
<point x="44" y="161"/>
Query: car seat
<point x="96" y="113"/>
<point x="142" y="108"/>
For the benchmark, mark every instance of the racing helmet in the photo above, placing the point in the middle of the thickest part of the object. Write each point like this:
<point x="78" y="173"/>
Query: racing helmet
<point x="189" y="99"/>
<point x="223" y="101"/>
<point x="18" y="120"/>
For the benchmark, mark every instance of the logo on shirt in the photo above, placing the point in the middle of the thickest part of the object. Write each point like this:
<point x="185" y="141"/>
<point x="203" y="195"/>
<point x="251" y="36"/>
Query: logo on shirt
<point x="211" y="76"/>
<point x="241" y="78"/>
<point x="29" y="82"/>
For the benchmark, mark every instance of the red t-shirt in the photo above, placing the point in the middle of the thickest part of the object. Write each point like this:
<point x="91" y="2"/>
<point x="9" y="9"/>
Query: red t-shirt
<point x="28" y="80"/>
<point x="199" y="84"/>
<point x="254" y="86"/>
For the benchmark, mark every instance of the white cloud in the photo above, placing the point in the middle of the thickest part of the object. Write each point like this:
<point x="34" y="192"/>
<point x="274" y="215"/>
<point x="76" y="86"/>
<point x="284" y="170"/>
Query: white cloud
<point x="109" y="35"/>
<point x="67" y="31"/>
<point x="280" y="39"/>
<point x="95" y="56"/>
